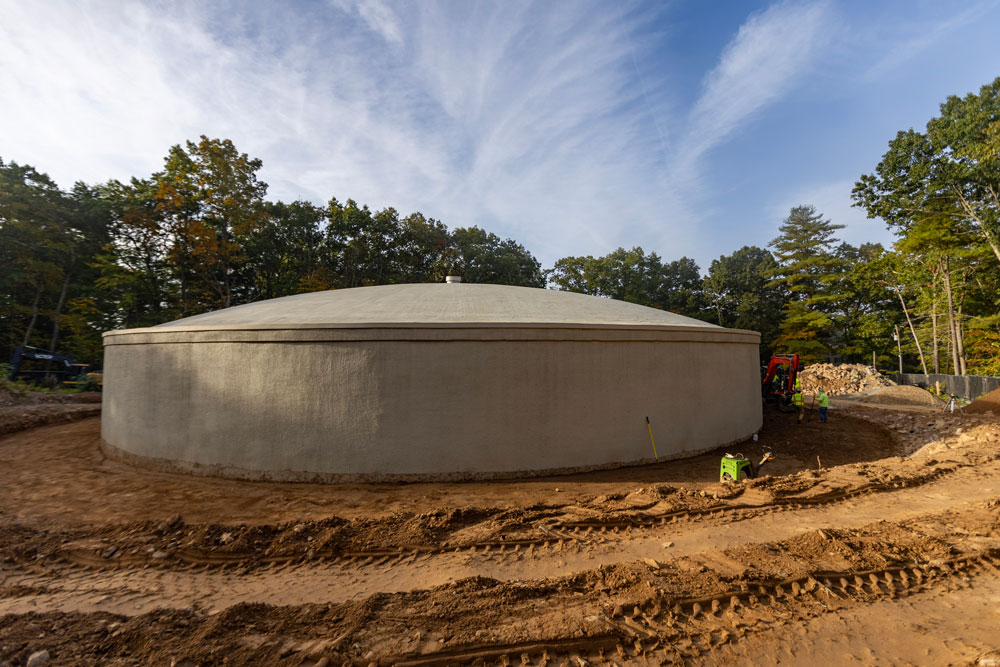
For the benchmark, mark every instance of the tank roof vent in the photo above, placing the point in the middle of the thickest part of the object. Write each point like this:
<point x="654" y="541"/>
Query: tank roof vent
<point x="453" y="279"/>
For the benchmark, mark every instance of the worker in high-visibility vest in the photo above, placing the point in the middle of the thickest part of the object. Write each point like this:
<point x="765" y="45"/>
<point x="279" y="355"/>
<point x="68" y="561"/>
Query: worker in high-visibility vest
<point x="823" y="401"/>
<point x="800" y="404"/>
<point x="798" y="383"/>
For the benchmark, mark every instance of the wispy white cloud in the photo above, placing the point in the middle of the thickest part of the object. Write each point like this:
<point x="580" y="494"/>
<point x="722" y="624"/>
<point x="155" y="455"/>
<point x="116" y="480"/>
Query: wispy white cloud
<point x="513" y="116"/>
<point x="543" y="121"/>
<point x="377" y="15"/>
<point x="917" y="35"/>
<point x="534" y="98"/>
<point x="766" y="59"/>
<point x="769" y="55"/>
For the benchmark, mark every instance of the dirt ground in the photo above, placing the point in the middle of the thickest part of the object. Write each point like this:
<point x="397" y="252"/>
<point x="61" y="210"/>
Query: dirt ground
<point x="20" y="410"/>
<point x="988" y="403"/>
<point x="872" y="539"/>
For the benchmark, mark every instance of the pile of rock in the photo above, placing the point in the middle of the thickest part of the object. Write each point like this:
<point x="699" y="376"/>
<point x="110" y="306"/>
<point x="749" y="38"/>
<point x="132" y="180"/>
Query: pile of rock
<point x="842" y="379"/>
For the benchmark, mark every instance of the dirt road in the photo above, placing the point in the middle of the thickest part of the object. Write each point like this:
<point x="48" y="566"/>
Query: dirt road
<point x="884" y="550"/>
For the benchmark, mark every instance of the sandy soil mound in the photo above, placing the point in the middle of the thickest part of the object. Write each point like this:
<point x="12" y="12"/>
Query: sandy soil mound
<point x="897" y="395"/>
<point x="842" y="379"/>
<point x="988" y="403"/>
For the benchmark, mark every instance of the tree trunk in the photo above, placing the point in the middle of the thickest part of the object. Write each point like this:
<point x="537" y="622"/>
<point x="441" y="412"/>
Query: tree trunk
<point x="899" y="347"/>
<point x="58" y="313"/>
<point x="227" y="294"/>
<point x="920" y="351"/>
<point x="984" y="229"/>
<point x="952" y="329"/>
<point x="936" y="356"/>
<point x="183" y="265"/>
<point x="62" y="301"/>
<point x="34" y="314"/>
<point x="960" y="337"/>
<point x="184" y="310"/>
<point x="948" y="356"/>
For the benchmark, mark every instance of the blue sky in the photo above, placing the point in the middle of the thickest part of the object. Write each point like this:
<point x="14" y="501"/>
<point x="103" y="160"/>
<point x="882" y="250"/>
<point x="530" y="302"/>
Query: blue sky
<point x="575" y="127"/>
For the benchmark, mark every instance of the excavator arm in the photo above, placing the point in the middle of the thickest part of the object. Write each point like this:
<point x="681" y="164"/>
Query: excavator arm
<point x="23" y="352"/>
<point x="779" y="378"/>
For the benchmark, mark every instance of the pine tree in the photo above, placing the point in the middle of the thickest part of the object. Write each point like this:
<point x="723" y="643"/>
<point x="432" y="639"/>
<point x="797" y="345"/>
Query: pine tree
<point x="808" y="268"/>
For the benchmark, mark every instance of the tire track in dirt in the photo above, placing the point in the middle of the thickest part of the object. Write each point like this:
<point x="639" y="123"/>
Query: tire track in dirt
<point x="555" y="534"/>
<point x="637" y="613"/>
<point x="666" y="631"/>
<point x="934" y="626"/>
<point x="76" y="586"/>
<point x="662" y="630"/>
<point x="582" y="577"/>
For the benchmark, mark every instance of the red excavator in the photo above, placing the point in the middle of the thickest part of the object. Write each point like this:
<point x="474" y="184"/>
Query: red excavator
<point x="777" y="382"/>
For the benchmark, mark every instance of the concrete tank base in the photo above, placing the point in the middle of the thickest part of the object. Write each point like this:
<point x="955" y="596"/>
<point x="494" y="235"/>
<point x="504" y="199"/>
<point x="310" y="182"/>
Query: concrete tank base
<point x="202" y="470"/>
<point x="439" y="399"/>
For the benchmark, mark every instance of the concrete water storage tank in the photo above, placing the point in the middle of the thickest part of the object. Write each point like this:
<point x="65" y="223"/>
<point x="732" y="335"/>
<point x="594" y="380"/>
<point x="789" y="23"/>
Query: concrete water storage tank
<point x="442" y="381"/>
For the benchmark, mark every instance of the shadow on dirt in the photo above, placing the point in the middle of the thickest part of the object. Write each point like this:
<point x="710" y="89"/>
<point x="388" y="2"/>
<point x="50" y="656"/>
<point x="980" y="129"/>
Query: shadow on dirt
<point x="843" y="439"/>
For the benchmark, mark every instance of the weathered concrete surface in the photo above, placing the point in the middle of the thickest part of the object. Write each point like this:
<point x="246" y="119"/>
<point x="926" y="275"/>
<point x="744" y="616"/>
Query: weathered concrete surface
<point x="427" y="304"/>
<point x="426" y="399"/>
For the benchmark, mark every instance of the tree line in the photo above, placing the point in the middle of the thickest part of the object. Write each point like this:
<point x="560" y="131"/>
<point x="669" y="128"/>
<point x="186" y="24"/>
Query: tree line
<point x="200" y="234"/>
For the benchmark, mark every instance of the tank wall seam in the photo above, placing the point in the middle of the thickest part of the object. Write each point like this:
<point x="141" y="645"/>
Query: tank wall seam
<point x="431" y="340"/>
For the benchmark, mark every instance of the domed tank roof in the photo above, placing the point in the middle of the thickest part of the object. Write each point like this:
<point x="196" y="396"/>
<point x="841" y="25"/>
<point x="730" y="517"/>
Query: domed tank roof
<point x="451" y="304"/>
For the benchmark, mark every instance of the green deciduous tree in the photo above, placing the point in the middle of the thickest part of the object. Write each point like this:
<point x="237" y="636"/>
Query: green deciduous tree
<point x="135" y="271"/>
<point x="939" y="190"/>
<point x="636" y="277"/>
<point x="952" y="169"/>
<point x="283" y="251"/>
<point x="483" y="257"/>
<point x="199" y="235"/>
<point x="864" y="312"/>
<point x="738" y="289"/>
<point x="878" y="291"/>
<point x="425" y="250"/>
<point x="47" y="240"/>
<point x="209" y="198"/>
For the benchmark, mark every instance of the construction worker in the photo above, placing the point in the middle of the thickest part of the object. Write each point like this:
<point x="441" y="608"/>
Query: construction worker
<point x="800" y="404"/>
<point x="823" y="401"/>
<point x="776" y="383"/>
<point x="798" y="383"/>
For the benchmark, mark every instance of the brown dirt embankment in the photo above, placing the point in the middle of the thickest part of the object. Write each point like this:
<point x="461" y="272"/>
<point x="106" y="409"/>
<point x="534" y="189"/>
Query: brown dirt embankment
<point x="21" y="410"/>
<point x="895" y="396"/>
<point x="20" y="418"/>
<point x="719" y="604"/>
<point x="988" y="403"/>
<point x="879" y="521"/>
<point x="13" y="395"/>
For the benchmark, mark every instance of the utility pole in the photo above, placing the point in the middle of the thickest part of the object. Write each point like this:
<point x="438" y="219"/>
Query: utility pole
<point x="899" y="347"/>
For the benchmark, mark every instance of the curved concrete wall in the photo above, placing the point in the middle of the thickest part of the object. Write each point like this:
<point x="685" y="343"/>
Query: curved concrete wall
<point x="333" y="404"/>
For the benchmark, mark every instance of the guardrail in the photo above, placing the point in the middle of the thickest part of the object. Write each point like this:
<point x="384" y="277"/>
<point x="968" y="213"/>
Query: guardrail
<point x="969" y="387"/>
